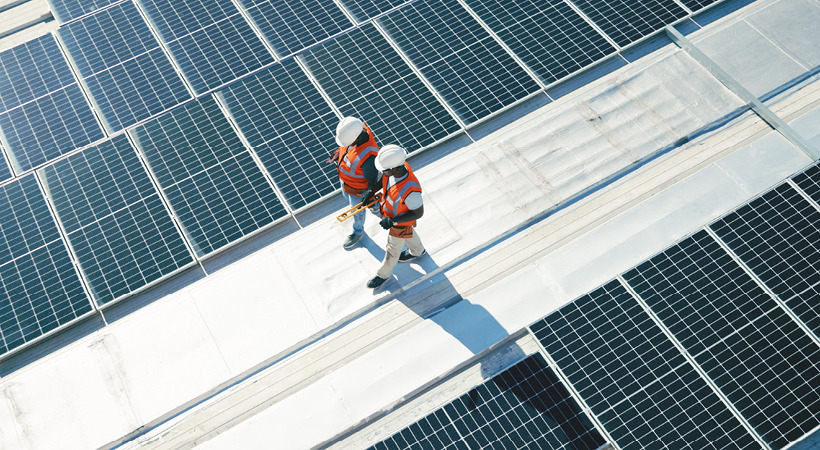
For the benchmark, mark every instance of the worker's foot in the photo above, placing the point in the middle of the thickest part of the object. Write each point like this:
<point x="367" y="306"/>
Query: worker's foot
<point x="352" y="240"/>
<point x="376" y="282"/>
<point x="407" y="257"/>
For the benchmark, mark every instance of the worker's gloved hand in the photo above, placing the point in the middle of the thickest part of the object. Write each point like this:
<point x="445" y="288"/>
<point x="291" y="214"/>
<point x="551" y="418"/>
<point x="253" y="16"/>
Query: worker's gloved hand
<point x="334" y="156"/>
<point x="367" y="196"/>
<point x="386" y="222"/>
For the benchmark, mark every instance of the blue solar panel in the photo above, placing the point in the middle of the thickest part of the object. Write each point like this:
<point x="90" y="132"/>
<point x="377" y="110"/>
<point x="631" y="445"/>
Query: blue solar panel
<point x="65" y="10"/>
<point x="627" y="21"/>
<point x="121" y="232"/>
<point x="39" y="287"/>
<point x="461" y="60"/>
<point x="5" y="171"/>
<point x="695" y="5"/>
<point x="32" y="70"/>
<point x="291" y="128"/>
<point x="633" y="377"/>
<point x="211" y="180"/>
<point x="290" y="26"/>
<point x="525" y="406"/>
<point x="365" y="77"/>
<point x="365" y="9"/>
<point x="128" y="74"/>
<point x="212" y="43"/>
<point x="759" y="358"/>
<point x="549" y="36"/>
<point x="48" y="127"/>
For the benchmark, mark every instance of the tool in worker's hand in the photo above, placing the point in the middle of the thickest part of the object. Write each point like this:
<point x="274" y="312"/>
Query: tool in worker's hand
<point x="353" y="210"/>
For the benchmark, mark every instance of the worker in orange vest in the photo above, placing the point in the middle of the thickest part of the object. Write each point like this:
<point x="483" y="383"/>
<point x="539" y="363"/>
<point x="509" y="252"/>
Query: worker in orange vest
<point x="401" y="206"/>
<point x="355" y="163"/>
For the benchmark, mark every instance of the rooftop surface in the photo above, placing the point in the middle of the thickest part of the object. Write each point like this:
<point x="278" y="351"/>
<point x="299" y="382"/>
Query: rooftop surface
<point x="278" y="341"/>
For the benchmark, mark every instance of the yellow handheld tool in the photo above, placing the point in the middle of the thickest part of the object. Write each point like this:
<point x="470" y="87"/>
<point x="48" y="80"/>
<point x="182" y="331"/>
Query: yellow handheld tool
<point x="355" y="209"/>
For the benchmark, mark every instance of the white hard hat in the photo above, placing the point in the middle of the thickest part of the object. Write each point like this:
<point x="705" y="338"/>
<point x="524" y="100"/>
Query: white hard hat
<point x="348" y="130"/>
<point x="390" y="156"/>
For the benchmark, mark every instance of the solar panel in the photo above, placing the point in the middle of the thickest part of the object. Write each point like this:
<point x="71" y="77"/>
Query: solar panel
<point x="291" y="128"/>
<point x="764" y="363"/>
<point x="212" y="43"/>
<point x="461" y="60"/>
<point x="290" y="26"/>
<point x="5" y="172"/>
<point x="65" y="10"/>
<point x="628" y="21"/>
<point x="209" y="177"/>
<point x="39" y="287"/>
<point x="48" y="127"/>
<point x="778" y="236"/>
<point x="127" y="73"/>
<point x="695" y="5"/>
<point x="32" y="70"/>
<point x="549" y="36"/>
<point x="365" y="9"/>
<point x="121" y="232"/>
<point x="365" y="77"/>
<point x="809" y="182"/>
<point x="526" y="406"/>
<point x="632" y="376"/>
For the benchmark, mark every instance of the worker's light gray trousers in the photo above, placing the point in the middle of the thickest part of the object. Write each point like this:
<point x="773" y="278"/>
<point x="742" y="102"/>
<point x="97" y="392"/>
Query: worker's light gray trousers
<point x="393" y="250"/>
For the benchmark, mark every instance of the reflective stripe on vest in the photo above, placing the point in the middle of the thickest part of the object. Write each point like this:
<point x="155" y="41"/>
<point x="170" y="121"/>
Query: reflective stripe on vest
<point x="354" y="165"/>
<point x="351" y="172"/>
<point x="392" y="206"/>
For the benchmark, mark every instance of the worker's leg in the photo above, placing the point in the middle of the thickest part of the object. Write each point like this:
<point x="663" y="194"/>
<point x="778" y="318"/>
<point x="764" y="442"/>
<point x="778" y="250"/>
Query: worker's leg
<point x="414" y="244"/>
<point x="358" y="219"/>
<point x="391" y="256"/>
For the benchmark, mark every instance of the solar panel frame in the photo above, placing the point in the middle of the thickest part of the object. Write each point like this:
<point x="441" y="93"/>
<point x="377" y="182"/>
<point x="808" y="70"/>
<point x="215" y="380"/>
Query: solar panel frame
<point x="122" y="234"/>
<point x="123" y="66"/>
<point x="365" y="77"/>
<point x="40" y="288"/>
<point x="550" y="37"/>
<point x="210" y="41"/>
<point x="198" y="159"/>
<point x="695" y="283"/>
<point x="461" y="60"/>
<point x="290" y="126"/>
<point x="292" y="26"/>
<point x="627" y="22"/>
<point x="613" y="353"/>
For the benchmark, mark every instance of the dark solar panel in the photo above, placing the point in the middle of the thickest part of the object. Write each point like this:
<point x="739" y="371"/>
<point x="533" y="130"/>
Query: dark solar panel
<point x="129" y="76"/>
<point x="65" y="10"/>
<point x="212" y="43"/>
<point x="212" y="183"/>
<point x="290" y="26"/>
<point x="291" y="128"/>
<point x="809" y="182"/>
<point x="695" y="5"/>
<point x="778" y="236"/>
<point x="39" y="287"/>
<point x="122" y="234"/>
<point x="366" y="78"/>
<point x="633" y="377"/>
<point x="526" y="406"/>
<point x="461" y="60"/>
<point x="764" y="363"/>
<point x="48" y="127"/>
<point x="549" y="36"/>
<point x="5" y="171"/>
<point x="365" y="9"/>
<point x="627" y="21"/>
<point x="32" y="70"/>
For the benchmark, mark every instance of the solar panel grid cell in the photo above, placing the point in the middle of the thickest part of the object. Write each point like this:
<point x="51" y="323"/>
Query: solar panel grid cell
<point x="638" y="384"/>
<point x="626" y="21"/>
<point x="777" y="236"/>
<point x="550" y="37"/>
<point x="290" y="26"/>
<point x="365" y="77"/>
<point x="736" y="332"/>
<point x="461" y="60"/>
<point x="211" y="180"/>
<point x="365" y="9"/>
<point x="116" y="222"/>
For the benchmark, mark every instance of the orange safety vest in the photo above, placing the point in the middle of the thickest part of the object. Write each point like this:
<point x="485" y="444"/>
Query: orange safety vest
<point x="393" y="198"/>
<point x="349" y="165"/>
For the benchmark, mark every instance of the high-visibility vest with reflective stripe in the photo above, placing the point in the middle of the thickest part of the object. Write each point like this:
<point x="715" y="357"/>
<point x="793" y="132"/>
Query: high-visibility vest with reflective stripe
<point x="351" y="159"/>
<point x="394" y="196"/>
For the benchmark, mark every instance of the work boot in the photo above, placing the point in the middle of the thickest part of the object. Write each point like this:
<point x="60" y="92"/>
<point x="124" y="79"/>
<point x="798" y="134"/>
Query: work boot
<point x="407" y="257"/>
<point x="376" y="282"/>
<point x="352" y="240"/>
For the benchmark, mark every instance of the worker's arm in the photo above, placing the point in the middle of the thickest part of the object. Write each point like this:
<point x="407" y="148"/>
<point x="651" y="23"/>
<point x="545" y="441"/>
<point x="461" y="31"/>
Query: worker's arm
<point x="373" y="177"/>
<point x="413" y="214"/>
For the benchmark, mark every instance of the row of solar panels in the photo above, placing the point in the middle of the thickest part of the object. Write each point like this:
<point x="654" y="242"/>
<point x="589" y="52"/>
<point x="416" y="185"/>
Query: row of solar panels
<point x="692" y="349"/>
<point x="200" y="168"/>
